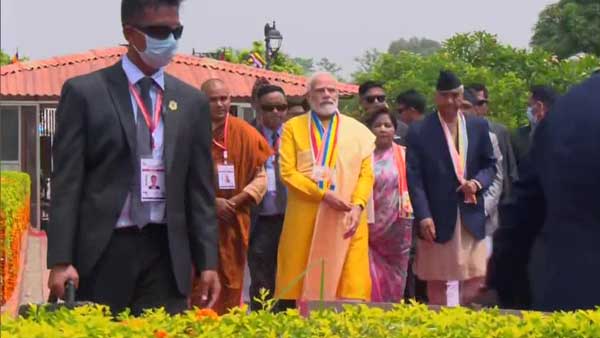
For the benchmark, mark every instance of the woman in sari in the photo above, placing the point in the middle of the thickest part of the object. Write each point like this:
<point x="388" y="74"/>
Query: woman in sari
<point x="391" y="219"/>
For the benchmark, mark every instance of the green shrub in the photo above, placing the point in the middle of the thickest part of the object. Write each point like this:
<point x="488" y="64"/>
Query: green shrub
<point x="14" y="221"/>
<point x="355" y="321"/>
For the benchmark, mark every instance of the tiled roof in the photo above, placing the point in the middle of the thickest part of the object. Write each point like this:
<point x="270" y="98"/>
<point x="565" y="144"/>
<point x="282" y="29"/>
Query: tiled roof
<point x="44" y="78"/>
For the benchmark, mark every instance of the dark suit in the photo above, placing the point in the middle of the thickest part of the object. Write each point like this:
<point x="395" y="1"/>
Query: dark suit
<point x="432" y="182"/>
<point x="521" y="141"/>
<point x="509" y="163"/>
<point x="553" y="219"/>
<point x="264" y="240"/>
<point x="94" y="168"/>
<point x="401" y="132"/>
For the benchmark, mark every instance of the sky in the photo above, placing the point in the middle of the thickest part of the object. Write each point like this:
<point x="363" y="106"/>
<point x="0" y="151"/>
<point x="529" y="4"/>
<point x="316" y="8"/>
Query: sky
<point x="337" y="29"/>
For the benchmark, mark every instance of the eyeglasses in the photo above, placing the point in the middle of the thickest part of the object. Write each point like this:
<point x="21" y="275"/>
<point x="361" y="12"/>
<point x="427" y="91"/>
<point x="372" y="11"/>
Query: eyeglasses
<point x="481" y="103"/>
<point x="272" y="107"/>
<point x="379" y="98"/>
<point x="161" y="32"/>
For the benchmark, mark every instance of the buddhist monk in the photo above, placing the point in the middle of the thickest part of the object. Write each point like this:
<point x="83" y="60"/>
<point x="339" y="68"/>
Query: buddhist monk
<point x="239" y="153"/>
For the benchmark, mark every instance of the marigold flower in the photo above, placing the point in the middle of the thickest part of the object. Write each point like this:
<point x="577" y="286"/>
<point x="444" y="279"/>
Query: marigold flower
<point x="206" y="313"/>
<point x="161" y="334"/>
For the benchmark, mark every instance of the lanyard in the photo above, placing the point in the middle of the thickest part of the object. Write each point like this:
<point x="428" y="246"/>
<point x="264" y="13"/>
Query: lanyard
<point x="223" y="145"/>
<point x="157" y="108"/>
<point x="277" y="141"/>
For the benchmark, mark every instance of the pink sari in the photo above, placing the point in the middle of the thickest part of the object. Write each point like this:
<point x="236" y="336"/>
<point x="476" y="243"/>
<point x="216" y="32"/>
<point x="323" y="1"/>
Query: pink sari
<point x="390" y="235"/>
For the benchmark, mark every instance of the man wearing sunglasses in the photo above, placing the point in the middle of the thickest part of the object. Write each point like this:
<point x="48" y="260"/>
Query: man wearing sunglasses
<point x="509" y="162"/>
<point x="411" y="108"/>
<point x="371" y="96"/>
<point x="121" y="242"/>
<point x="268" y="216"/>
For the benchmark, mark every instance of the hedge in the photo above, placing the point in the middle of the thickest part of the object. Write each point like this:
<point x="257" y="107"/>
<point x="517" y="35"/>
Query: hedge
<point x="14" y="221"/>
<point x="414" y="320"/>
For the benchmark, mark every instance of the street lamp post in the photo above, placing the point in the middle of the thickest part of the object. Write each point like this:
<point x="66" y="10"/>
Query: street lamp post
<point x="273" y="41"/>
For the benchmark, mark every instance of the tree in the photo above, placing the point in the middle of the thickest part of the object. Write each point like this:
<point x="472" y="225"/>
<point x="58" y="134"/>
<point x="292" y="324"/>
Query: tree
<point x="328" y="66"/>
<point x="416" y="45"/>
<point x="5" y="59"/>
<point x="281" y="63"/>
<point x="367" y="61"/>
<point x="479" y="57"/>
<point x="569" y="27"/>
<point x="308" y="64"/>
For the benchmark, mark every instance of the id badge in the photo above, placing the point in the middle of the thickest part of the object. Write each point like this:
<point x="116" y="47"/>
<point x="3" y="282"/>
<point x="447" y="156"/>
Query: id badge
<point x="271" y="180"/>
<point x="226" y="175"/>
<point x="152" y="180"/>
<point x="320" y="173"/>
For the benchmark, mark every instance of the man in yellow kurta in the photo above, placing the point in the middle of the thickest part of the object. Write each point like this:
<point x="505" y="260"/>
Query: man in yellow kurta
<point x="325" y="161"/>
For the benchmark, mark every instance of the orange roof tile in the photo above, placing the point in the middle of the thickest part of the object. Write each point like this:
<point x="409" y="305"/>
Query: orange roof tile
<point x="44" y="78"/>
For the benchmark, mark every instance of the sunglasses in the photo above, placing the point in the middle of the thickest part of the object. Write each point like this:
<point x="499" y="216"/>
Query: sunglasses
<point x="272" y="107"/>
<point x="481" y="103"/>
<point x="379" y="98"/>
<point x="161" y="32"/>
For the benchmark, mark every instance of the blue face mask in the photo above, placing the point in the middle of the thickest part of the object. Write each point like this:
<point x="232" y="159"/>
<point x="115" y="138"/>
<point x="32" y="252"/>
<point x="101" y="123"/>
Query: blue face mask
<point x="158" y="53"/>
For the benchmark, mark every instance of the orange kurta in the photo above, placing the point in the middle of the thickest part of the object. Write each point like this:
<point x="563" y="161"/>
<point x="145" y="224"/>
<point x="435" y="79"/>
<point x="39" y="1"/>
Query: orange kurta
<point x="247" y="151"/>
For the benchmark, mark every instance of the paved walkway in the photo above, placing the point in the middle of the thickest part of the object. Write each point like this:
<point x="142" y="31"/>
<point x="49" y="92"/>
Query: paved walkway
<point x="35" y="276"/>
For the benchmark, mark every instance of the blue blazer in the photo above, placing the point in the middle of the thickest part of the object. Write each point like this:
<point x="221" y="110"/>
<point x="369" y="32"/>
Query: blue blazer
<point x="432" y="182"/>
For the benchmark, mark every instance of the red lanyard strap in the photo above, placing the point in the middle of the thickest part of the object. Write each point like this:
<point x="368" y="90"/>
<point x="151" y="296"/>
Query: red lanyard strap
<point x="223" y="145"/>
<point x="145" y="112"/>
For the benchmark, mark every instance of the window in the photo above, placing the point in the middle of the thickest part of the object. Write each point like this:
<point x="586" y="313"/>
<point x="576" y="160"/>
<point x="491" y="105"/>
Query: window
<point x="9" y="133"/>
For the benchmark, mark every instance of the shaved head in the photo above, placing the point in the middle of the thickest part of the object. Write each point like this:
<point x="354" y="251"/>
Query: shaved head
<point x="219" y="99"/>
<point x="211" y="84"/>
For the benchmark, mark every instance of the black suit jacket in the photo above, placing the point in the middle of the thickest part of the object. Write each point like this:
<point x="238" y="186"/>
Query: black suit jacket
<point x="521" y="142"/>
<point x="432" y="182"/>
<point x="94" y="168"/>
<point x="549" y="231"/>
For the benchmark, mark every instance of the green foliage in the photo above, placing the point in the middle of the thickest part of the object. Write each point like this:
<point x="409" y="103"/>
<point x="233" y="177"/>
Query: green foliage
<point x="281" y="63"/>
<point x="569" y="27"/>
<point x="478" y="57"/>
<point x="14" y="220"/>
<point x="326" y="65"/>
<point x="367" y="61"/>
<point x="355" y="321"/>
<point x="416" y="45"/>
<point x="4" y="58"/>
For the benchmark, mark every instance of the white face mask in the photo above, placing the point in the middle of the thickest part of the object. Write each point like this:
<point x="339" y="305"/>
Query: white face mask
<point x="158" y="53"/>
<point x="531" y="117"/>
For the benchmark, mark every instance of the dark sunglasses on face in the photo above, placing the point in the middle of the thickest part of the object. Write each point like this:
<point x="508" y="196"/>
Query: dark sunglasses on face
<point x="272" y="107"/>
<point x="481" y="102"/>
<point x="379" y="98"/>
<point x="161" y="32"/>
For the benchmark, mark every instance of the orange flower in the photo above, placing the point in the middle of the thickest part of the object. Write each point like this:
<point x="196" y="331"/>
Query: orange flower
<point x="206" y="313"/>
<point x="161" y="334"/>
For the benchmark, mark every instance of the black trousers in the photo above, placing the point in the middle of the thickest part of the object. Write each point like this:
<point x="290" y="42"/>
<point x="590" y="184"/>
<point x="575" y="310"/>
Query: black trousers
<point x="135" y="272"/>
<point x="262" y="256"/>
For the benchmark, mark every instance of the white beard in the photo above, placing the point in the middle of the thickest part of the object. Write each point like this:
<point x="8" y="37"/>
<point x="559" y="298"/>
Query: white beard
<point x="326" y="110"/>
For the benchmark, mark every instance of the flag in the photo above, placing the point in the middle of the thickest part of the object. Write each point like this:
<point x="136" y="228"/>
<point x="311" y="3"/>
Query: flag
<point x="256" y="60"/>
<point x="15" y="58"/>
